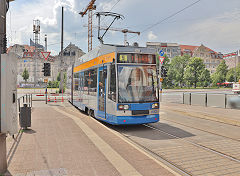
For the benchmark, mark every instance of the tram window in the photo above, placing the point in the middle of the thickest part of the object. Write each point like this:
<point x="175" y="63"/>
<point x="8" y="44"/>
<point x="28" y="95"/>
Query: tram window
<point x="137" y="58"/>
<point x="93" y="81"/>
<point x="76" y="81"/>
<point x="112" y="84"/>
<point x="90" y="82"/>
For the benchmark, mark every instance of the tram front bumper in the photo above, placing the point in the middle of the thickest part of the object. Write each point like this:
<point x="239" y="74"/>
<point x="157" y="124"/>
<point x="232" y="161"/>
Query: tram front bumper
<point x="124" y="120"/>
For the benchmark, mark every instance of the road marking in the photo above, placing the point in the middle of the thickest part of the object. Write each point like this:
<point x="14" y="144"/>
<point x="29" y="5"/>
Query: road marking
<point x="123" y="167"/>
<point x="136" y="147"/>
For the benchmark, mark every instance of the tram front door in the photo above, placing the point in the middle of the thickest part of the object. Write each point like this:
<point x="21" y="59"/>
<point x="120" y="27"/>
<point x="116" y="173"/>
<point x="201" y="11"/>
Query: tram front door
<point x="102" y="92"/>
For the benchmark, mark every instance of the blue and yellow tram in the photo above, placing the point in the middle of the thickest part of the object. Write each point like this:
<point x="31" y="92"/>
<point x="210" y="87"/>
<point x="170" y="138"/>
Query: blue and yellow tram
<point x="117" y="84"/>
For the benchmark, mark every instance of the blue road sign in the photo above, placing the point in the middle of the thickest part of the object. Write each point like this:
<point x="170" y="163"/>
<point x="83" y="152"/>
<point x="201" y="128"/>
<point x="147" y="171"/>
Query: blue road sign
<point x="161" y="53"/>
<point x="25" y="61"/>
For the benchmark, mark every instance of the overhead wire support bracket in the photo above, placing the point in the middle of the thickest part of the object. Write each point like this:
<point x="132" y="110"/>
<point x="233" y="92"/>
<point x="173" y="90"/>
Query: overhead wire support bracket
<point x="99" y="14"/>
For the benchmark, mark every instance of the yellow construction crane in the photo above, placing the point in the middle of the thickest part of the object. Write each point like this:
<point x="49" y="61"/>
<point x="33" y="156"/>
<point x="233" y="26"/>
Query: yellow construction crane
<point x="89" y="8"/>
<point x="124" y="31"/>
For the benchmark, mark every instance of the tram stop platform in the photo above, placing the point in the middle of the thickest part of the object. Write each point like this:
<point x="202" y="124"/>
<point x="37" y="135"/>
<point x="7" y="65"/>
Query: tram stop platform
<point x="63" y="141"/>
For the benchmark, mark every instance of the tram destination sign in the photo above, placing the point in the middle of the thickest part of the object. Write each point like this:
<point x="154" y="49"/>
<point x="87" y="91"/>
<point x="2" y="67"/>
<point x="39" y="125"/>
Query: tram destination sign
<point x="137" y="58"/>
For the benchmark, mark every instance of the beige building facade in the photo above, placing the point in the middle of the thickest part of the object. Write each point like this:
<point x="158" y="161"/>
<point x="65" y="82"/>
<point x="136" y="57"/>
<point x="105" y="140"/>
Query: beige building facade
<point x="170" y="49"/>
<point x="210" y="58"/>
<point x="34" y="62"/>
<point x="232" y="59"/>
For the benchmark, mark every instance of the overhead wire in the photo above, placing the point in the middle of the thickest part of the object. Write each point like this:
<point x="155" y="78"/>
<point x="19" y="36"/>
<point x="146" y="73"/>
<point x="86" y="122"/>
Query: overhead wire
<point x="168" y="17"/>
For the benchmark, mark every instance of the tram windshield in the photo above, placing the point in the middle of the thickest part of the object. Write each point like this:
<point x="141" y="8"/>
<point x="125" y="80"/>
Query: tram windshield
<point x="137" y="84"/>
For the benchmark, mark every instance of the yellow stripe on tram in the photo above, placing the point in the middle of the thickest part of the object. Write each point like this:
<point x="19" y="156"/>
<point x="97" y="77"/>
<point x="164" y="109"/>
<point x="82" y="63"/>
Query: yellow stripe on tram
<point x="96" y="61"/>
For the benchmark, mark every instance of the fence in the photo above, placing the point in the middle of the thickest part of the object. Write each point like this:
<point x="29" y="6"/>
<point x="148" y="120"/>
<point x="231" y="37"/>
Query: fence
<point x="219" y="100"/>
<point x="26" y="99"/>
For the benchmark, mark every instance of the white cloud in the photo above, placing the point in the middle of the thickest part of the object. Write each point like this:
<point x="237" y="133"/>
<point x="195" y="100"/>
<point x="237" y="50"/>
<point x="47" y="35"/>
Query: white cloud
<point x="107" y="6"/>
<point x="218" y="28"/>
<point x="151" y="36"/>
<point x="221" y="31"/>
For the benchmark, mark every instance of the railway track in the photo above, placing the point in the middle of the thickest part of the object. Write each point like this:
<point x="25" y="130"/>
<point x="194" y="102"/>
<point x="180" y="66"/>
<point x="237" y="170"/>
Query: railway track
<point x="206" y="160"/>
<point x="234" y="139"/>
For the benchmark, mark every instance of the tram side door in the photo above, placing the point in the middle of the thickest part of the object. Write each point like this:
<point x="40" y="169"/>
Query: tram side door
<point x="102" y="92"/>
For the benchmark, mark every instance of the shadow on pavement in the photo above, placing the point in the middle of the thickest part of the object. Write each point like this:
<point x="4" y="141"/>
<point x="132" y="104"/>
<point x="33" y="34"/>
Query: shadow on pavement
<point x="143" y="131"/>
<point x="14" y="147"/>
<point x="29" y="131"/>
<point x="7" y="174"/>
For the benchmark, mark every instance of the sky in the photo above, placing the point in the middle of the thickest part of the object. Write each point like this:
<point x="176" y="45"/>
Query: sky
<point x="213" y="23"/>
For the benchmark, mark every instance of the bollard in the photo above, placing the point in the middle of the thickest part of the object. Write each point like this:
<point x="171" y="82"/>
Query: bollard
<point x="55" y="101"/>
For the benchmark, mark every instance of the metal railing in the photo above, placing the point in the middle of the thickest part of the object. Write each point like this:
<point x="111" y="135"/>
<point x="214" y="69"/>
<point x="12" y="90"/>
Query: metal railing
<point x="220" y="100"/>
<point x="25" y="99"/>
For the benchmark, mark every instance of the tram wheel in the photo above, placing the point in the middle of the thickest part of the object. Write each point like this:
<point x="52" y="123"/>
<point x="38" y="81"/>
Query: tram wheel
<point x="87" y="111"/>
<point x="92" y="113"/>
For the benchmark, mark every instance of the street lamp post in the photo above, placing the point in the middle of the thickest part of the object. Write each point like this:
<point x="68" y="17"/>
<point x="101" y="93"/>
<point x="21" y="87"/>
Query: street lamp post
<point x="235" y="77"/>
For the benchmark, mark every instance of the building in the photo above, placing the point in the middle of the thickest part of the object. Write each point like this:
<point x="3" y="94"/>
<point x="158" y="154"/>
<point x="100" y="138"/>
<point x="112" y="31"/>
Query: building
<point x="170" y="49"/>
<point x="33" y="61"/>
<point x="210" y="58"/>
<point x="232" y="59"/>
<point x="70" y="55"/>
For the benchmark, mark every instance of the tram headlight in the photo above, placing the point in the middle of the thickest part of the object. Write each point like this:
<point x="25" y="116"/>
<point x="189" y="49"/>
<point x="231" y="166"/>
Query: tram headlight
<point x="155" y="106"/>
<point x="123" y="107"/>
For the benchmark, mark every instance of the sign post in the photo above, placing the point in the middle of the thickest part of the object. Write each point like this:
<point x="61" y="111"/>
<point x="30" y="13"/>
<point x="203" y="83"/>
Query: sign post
<point x="46" y="81"/>
<point x="45" y="54"/>
<point x="161" y="59"/>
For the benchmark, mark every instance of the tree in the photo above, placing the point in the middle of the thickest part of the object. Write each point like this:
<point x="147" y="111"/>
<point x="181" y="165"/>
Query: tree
<point x="205" y="78"/>
<point x="230" y="77"/>
<point x="25" y="75"/>
<point x="177" y="69"/>
<point x="220" y="75"/>
<point x="193" y="71"/>
<point x="64" y="81"/>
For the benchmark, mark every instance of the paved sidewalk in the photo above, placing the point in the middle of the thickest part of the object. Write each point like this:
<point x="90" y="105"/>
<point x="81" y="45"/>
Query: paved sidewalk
<point x="63" y="141"/>
<point x="228" y="116"/>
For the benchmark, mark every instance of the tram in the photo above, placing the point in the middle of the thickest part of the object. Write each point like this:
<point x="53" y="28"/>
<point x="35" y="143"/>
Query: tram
<point x="117" y="84"/>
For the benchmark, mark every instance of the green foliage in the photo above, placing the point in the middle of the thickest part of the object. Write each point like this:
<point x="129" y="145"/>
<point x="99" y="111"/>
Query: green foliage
<point x="53" y="84"/>
<point x="25" y="75"/>
<point x="64" y="76"/>
<point x="230" y="77"/>
<point x="220" y="75"/>
<point x="193" y="71"/>
<point x="205" y="78"/>
<point x="177" y="69"/>
<point x="64" y="83"/>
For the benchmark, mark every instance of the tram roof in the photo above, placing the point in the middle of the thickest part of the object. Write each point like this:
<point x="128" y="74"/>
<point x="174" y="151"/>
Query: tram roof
<point x="110" y="48"/>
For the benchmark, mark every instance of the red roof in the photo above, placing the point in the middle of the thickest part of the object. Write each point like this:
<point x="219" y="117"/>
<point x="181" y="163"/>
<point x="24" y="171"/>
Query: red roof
<point x="29" y="48"/>
<point x="192" y="48"/>
<point x="188" y="47"/>
<point x="26" y="47"/>
<point x="211" y="50"/>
